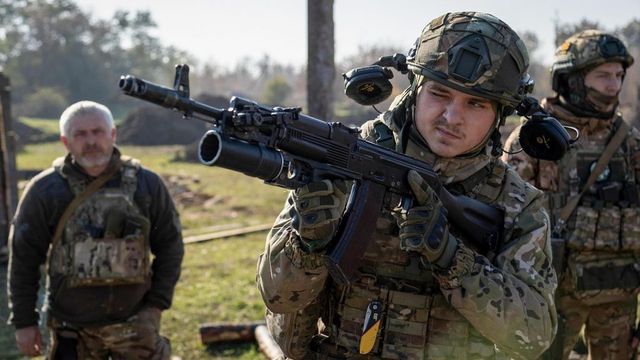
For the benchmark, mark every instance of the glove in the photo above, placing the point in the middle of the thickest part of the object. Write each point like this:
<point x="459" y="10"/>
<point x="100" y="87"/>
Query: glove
<point x="424" y="228"/>
<point x="316" y="212"/>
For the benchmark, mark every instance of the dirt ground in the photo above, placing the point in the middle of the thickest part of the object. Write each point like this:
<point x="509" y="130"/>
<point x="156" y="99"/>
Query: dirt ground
<point x="154" y="125"/>
<point x="26" y="134"/>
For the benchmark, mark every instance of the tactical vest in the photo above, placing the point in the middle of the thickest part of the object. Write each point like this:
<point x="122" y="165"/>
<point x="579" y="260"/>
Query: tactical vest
<point x="106" y="239"/>
<point x="418" y="322"/>
<point x="602" y="237"/>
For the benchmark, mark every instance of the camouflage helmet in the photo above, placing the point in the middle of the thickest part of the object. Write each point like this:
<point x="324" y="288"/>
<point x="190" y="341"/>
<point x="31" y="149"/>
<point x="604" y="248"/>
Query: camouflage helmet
<point x="586" y="50"/>
<point x="475" y="53"/>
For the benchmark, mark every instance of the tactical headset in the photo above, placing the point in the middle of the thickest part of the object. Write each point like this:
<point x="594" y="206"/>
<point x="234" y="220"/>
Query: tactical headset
<point x="541" y="136"/>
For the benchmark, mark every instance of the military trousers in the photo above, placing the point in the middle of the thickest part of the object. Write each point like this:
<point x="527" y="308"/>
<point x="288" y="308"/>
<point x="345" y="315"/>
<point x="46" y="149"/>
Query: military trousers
<point x="607" y="325"/>
<point x="137" y="338"/>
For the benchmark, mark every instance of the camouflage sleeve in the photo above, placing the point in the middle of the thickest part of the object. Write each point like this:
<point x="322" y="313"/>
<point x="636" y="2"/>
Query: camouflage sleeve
<point x="525" y="165"/>
<point x="289" y="279"/>
<point x="510" y="301"/>
<point x="294" y="331"/>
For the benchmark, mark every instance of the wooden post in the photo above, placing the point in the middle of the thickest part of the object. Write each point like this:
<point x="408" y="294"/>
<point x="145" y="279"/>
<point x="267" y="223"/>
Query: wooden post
<point x="8" y="178"/>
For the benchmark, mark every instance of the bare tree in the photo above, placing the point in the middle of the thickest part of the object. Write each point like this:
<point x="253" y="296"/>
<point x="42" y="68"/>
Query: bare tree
<point x="320" y="62"/>
<point x="564" y="30"/>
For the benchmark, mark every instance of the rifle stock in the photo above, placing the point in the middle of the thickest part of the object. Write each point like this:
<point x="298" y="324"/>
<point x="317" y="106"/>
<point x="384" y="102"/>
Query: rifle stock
<point x="286" y="148"/>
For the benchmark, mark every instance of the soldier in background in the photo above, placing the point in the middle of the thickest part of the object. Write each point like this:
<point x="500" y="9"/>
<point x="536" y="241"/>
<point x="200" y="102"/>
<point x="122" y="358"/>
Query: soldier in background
<point x="596" y="249"/>
<point x="436" y="296"/>
<point x="94" y="218"/>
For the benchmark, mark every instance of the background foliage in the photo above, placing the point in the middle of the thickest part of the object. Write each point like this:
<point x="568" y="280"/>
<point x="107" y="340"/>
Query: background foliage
<point x="55" y="53"/>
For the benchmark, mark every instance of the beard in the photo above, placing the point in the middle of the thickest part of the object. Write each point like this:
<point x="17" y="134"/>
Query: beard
<point x="94" y="156"/>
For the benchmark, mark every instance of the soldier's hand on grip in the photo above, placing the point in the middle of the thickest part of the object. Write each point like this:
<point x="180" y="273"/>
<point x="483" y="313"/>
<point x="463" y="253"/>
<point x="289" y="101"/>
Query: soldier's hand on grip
<point x="424" y="227"/>
<point x="318" y="207"/>
<point x="29" y="340"/>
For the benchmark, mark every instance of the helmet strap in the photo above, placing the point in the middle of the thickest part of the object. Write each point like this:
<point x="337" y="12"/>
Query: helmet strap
<point x="496" y="143"/>
<point x="409" y="113"/>
<point x="502" y="112"/>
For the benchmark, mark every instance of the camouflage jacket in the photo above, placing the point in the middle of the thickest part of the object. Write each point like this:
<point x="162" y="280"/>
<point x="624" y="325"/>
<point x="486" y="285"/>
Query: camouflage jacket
<point x="41" y="206"/>
<point x="482" y="307"/>
<point x="550" y="176"/>
<point x="604" y="229"/>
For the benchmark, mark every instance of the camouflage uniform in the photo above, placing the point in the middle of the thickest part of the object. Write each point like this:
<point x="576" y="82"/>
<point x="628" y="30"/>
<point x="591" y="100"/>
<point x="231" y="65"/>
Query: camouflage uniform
<point x="483" y="306"/>
<point x="100" y="283"/>
<point x="597" y="253"/>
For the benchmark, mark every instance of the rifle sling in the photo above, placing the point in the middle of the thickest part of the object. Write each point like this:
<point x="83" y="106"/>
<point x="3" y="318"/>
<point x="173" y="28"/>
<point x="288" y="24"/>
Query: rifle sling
<point x="603" y="160"/>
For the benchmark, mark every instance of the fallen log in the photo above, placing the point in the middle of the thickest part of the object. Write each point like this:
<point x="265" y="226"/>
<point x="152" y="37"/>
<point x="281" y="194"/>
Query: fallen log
<point x="226" y="233"/>
<point x="210" y="229"/>
<point x="217" y="333"/>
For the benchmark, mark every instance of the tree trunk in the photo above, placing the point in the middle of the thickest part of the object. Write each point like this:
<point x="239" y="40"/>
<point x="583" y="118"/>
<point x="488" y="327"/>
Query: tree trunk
<point x="8" y="178"/>
<point x="320" y="62"/>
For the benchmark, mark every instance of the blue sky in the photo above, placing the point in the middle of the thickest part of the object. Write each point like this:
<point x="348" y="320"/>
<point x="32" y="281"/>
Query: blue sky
<point x="225" y="31"/>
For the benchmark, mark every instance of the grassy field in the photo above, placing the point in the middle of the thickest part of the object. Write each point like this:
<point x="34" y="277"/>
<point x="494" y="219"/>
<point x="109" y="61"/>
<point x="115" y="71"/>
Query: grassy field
<point x="218" y="277"/>
<point x="48" y="126"/>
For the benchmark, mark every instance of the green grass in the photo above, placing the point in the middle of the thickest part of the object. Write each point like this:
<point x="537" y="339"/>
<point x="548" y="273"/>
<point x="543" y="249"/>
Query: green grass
<point x="217" y="283"/>
<point x="39" y="156"/>
<point x="513" y="120"/>
<point x="48" y="126"/>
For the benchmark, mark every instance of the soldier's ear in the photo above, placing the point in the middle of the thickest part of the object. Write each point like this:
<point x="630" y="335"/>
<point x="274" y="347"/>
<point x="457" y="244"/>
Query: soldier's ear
<point x="65" y="141"/>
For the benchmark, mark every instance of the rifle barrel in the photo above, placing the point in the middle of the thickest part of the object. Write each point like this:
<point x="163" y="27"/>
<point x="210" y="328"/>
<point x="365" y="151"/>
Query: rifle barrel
<point x="165" y="97"/>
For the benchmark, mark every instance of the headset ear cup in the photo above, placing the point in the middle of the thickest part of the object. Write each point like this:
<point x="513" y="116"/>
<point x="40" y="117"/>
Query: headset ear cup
<point x="544" y="139"/>
<point x="368" y="85"/>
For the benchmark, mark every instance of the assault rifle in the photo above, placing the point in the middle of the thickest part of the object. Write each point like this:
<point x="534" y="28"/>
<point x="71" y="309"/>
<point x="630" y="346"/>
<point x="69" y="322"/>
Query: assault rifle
<point x="286" y="148"/>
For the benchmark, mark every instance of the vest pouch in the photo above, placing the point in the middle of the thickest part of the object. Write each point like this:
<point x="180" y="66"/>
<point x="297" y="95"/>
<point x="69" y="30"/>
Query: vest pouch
<point x="622" y="273"/>
<point x="109" y="261"/>
<point x="630" y="229"/>
<point x="352" y="313"/>
<point x="584" y="230"/>
<point x="608" y="230"/>
<point x="406" y="325"/>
